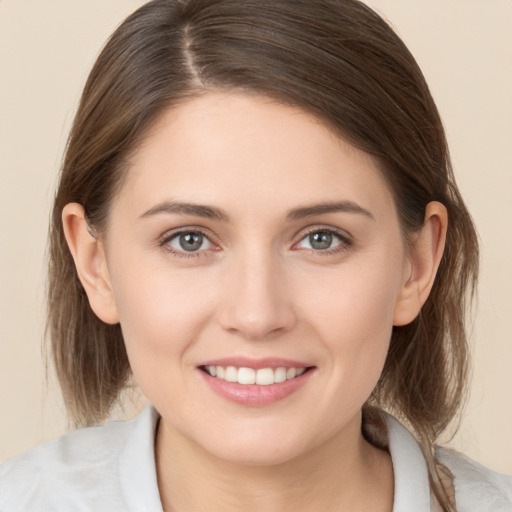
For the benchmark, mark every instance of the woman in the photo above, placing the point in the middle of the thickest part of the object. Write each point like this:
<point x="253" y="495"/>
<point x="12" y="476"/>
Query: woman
<point x="257" y="218"/>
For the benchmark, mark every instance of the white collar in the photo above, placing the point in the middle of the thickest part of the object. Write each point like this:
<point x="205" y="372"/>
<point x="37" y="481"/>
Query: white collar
<point x="412" y="490"/>
<point x="141" y="489"/>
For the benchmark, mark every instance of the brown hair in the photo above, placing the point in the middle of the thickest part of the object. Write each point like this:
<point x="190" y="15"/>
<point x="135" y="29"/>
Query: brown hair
<point x="334" y="58"/>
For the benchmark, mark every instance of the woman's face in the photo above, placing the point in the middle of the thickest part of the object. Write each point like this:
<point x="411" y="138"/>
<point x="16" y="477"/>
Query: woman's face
<point x="250" y="244"/>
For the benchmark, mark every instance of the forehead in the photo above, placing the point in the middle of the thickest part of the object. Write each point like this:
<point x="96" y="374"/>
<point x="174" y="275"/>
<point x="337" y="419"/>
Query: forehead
<point x="245" y="150"/>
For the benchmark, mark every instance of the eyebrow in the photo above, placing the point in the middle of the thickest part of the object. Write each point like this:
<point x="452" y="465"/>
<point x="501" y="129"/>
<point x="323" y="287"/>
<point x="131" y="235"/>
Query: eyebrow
<point x="200" y="210"/>
<point x="332" y="207"/>
<point x="211" y="212"/>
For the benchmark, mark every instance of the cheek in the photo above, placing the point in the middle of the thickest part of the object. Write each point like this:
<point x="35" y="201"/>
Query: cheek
<point x="161" y="313"/>
<point x="360" y="341"/>
<point x="356" y="300"/>
<point x="354" y="318"/>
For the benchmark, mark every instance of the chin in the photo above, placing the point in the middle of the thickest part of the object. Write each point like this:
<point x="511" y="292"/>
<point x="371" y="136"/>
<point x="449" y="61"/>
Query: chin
<point x="251" y="443"/>
<point x="269" y="444"/>
<point x="268" y="454"/>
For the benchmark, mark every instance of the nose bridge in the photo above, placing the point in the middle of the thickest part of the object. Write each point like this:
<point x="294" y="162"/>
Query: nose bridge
<point x="258" y="305"/>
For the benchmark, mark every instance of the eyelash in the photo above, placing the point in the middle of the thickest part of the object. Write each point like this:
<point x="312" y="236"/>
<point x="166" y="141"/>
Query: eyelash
<point x="344" y="242"/>
<point x="165" y="241"/>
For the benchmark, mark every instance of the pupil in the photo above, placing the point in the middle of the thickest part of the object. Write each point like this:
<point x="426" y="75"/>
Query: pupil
<point x="191" y="241"/>
<point x="321" y="240"/>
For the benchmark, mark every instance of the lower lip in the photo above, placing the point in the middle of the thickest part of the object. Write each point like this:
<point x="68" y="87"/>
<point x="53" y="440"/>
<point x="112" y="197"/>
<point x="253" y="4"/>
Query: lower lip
<point x="254" y="395"/>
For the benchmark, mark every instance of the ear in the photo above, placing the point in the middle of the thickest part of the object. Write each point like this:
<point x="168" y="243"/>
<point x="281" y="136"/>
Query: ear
<point x="90" y="261"/>
<point x="425" y="255"/>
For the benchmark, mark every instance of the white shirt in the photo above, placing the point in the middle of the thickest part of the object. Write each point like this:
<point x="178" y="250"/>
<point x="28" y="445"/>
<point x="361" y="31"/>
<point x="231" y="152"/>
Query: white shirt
<point x="111" y="468"/>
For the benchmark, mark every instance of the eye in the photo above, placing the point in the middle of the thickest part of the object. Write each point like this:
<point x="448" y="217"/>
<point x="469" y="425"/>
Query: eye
<point x="322" y="240"/>
<point x="188" y="241"/>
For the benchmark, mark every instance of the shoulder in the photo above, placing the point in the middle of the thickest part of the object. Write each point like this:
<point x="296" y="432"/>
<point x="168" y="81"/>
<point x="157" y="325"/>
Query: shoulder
<point x="57" y="475"/>
<point x="477" y="488"/>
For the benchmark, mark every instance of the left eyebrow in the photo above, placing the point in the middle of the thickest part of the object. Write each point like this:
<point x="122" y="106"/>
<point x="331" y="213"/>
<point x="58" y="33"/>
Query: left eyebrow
<point x="170" y="207"/>
<point x="323" y="208"/>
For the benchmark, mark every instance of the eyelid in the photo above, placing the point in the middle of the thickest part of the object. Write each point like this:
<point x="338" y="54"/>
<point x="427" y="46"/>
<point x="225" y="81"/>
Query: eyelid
<point x="346" y="240"/>
<point x="163" y="241"/>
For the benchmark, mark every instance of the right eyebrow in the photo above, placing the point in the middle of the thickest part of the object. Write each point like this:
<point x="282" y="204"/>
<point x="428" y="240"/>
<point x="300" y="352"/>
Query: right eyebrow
<point x="328" y="207"/>
<point x="200" y="210"/>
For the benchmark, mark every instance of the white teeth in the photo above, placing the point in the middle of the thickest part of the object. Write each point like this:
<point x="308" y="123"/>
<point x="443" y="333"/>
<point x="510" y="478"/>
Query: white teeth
<point x="231" y="374"/>
<point x="280" y="375"/>
<point x="246" y="376"/>
<point x="262" y="377"/>
<point x="265" y="376"/>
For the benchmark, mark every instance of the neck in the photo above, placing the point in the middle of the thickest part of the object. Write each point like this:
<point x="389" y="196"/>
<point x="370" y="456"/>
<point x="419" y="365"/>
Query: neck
<point x="344" y="473"/>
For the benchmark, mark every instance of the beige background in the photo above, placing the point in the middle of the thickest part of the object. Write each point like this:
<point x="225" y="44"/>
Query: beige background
<point x="46" y="49"/>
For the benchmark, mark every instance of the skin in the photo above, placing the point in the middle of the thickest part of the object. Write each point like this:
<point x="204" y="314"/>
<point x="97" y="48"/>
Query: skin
<point x="257" y="288"/>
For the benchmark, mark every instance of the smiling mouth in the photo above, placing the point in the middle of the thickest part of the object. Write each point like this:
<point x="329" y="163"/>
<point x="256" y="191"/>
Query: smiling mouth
<point x="248" y="376"/>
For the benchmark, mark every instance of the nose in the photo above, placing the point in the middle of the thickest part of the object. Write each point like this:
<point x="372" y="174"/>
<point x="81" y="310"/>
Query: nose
<point x="257" y="304"/>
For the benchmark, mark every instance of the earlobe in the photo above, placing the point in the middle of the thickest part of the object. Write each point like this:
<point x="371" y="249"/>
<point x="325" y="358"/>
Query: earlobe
<point x="89" y="257"/>
<point x="425" y="256"/>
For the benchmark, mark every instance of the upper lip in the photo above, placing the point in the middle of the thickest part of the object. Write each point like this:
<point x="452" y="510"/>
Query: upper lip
<point x="256" y="364"/>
